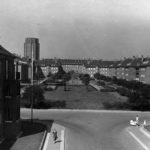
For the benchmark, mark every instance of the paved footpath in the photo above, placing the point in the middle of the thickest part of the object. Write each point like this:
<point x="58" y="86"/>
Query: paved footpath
<point x="60" y="143"/>
<point x="141" y="136"/>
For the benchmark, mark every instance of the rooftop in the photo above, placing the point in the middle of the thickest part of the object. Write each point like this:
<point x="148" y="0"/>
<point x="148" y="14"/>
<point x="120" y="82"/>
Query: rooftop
<point x="5" y="52"/>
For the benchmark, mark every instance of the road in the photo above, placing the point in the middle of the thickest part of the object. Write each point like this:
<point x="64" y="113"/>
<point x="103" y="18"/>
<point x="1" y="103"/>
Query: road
<point x="93" y="130"/>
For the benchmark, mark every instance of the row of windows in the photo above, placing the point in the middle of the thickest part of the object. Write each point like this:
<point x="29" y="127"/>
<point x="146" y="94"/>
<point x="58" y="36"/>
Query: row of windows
<point x="7" y="69"/>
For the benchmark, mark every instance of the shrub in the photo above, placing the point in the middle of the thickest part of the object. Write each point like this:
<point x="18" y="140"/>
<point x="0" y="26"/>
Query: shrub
<point x="35" y="92"/>
<point x="123" y="91"/>
<point x="101" y="83"/>
<point x="116" y="105"/>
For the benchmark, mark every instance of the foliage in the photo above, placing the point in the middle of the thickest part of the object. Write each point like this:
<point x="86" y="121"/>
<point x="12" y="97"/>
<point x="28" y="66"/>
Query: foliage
<point x="56" y="104"/>
<point x="85" y="79"/>
<point x="97" y="76"/>
<point x="66" y="77"/>
<point x="60" y="73"/>
<point x="138" y="102"/>
<point x="138" y="93"/>
<point x="36" y="92"/>
<point x="38" y="74"/>
<point x="74" y="75"/>
<point x="101" y="83"/>
<point x="49" y="74"/>
<point x="124" y="91"/>
<point x="115" y="105"/>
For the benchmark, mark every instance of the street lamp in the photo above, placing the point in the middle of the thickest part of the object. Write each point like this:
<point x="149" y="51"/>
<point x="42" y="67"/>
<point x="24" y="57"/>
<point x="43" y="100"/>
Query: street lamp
<point x="32" y="71"/>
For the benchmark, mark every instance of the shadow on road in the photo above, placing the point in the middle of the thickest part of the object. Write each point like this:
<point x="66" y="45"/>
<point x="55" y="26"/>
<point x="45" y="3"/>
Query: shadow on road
<point x="27" y="128"/>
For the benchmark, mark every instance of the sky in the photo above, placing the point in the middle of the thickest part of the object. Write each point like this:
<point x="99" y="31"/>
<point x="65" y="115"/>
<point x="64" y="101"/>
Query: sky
<point x="96" y="29"/>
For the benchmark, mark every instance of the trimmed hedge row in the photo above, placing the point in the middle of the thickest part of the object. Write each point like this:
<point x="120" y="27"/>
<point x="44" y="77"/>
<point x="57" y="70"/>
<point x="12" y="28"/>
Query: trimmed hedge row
<point x="138" y="93"/>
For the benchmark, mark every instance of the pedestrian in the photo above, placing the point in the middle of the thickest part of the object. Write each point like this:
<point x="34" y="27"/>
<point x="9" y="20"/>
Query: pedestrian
<point x="137" y="119"/>
<point x="55" y="136"/>
<point x="144" y="123"/>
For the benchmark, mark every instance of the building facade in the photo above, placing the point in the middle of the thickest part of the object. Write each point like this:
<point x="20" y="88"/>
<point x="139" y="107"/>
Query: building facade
<point x="9" y="96"/>
<point x="22" y="69"/>
<point x="32" y="44"/>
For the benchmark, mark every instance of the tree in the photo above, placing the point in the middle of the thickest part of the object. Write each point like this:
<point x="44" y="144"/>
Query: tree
<point x="66" y="77"/>
<point x="97" y="76"/>
<point x="86" y="80"/>
<point x="60" y="73"/>
<point x="36" y="92"/>
<point x="49" y="74"/>
<point x="38" y="74"/>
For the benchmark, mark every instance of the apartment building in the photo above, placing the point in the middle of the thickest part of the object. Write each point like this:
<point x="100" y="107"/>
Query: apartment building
<point x="144" y="71"/>
<point x="91" y="69"/>
<point x="135" y="68"/>
<point x="9" y="96"/>
<point x="22" y="68"/>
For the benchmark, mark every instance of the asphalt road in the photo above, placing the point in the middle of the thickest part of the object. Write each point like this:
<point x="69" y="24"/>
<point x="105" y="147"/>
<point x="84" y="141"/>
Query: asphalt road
<point x="93" y="130"/>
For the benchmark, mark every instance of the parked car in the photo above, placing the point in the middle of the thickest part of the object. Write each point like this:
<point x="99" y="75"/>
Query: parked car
<point x="133" y="123"/>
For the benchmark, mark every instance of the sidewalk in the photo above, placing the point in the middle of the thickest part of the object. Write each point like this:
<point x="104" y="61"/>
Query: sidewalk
<point x="49" y="143"/>
<point x="141" y="135"/>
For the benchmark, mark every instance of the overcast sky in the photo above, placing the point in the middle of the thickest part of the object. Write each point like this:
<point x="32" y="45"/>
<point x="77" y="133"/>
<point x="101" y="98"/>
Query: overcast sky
<point x="105" y="29"/>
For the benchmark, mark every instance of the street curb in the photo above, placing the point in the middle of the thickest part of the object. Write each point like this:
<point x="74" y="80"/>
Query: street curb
<point x="43" y="140"/>
<point x="62" y="145"/>
<point x="46" y="137"/>
<point x="84" y="110"/>
<point x="46" y="141"/>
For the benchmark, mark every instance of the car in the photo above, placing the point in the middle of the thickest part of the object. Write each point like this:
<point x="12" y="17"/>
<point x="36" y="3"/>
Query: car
<point x="133" y="123"/>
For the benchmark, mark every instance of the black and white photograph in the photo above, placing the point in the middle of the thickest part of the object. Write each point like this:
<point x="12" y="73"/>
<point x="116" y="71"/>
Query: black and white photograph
<point x="74" y="75"/>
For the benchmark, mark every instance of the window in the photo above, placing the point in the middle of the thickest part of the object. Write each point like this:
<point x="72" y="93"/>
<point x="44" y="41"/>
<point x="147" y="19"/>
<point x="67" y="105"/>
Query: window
<point x="0" y="69"/>
<point x="6" y="69"/>
<point x="0" y="117"/>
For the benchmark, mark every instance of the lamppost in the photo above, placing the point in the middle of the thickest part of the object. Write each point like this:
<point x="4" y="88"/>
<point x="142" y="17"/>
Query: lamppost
<point x="32" y="71"/>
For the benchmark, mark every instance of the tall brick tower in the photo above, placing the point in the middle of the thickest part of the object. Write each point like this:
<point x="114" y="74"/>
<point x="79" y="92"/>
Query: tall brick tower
<point x="29" y="45"/>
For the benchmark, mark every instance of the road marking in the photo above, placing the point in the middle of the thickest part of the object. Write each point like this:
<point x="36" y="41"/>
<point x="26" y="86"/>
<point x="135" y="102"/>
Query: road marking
<point x="138" y="140"/>
<point x="62" y="144"/>
<point x="46" y="141"/>
<point x="145" y="132"/>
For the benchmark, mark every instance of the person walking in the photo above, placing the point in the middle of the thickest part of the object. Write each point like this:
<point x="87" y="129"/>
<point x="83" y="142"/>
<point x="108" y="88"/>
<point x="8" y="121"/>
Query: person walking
<point x="137" y="119"/>
<point x="144" y="123"/>
<point x="55" y="136"/>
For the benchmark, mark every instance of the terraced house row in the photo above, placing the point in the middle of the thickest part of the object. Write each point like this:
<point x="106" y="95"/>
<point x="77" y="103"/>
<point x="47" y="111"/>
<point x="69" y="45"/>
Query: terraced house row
<point x="135" y="68"/>
<point x="78" y="65"/>
<point x="129" y="69"/>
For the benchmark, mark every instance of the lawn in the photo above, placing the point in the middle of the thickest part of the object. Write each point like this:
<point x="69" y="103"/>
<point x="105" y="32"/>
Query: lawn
<point x="77" y="97"/>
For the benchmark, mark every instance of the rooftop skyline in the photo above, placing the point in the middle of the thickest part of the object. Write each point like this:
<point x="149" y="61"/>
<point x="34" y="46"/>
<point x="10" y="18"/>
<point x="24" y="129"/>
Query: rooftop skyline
<point x="106" y="29"/>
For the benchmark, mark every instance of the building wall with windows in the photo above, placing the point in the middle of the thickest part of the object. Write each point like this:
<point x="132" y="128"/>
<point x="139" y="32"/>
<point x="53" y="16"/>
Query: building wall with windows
<point x="119" y="73"/>
<point x="91" y="70"/>
<point x="112" y="72"/>
<point x="131" y="74"/>
<point x="23" y="71"/>
<point x="9" y="96"/>
<point x="79" y="68"/>
<point x="46" y="70"/>
<point x="54" y="69"/>
<point x="145" y="74"/>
